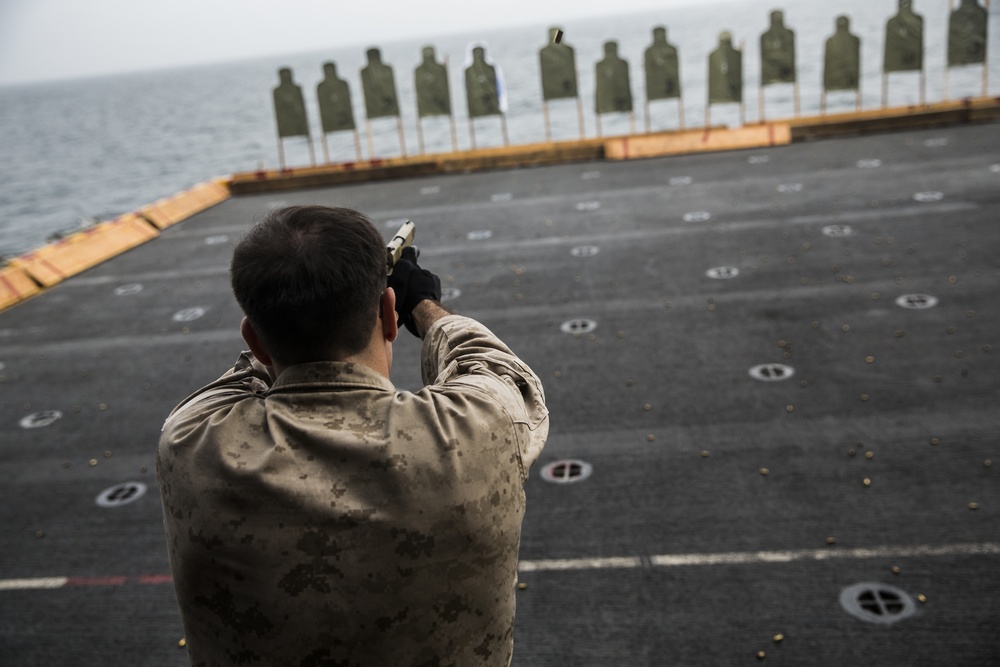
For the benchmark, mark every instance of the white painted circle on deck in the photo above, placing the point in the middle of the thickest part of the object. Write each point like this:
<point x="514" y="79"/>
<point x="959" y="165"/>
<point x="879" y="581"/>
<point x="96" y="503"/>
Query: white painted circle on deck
<point x="567" y="471"/>
<point x="771" y="372"/>
<point x="218" y="239"/>
<point x="917" y="301"/>
<point x="450" y="293"/>
<point x="681" y="180"/>
<point x="759" y="159"/>
<point x="501" y="196"/>
<point x="929" y="196"/>
<point x="479" y="235"/>
<point x="723" y="272"/>
<point x="697" y="216"/>
<point x="128" y="290"/>
<point x="877" y="603"/>
<point x="578" y="326"/>
<point x="121" y="494"/>
<point x="188" y="314"/>
<point x="838" y="230"/>
<point x="585" y="251"/>
<point x="588" y="206"/>
<point x="40" y="419"/>
<point x="869" y="164"/>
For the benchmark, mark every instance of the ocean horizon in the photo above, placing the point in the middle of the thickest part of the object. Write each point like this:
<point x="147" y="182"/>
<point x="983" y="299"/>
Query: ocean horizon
<point x="92" y="149"/>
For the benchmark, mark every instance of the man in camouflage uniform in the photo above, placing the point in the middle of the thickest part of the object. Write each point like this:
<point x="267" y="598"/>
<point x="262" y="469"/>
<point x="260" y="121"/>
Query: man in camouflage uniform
<point x="315" y="515"/>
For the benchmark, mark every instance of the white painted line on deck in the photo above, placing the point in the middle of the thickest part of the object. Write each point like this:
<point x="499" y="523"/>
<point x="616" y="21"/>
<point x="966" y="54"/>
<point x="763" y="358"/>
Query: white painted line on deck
<point x="642" y="236"/>
<point x="609" y="563"/>
<point x="760" y="557"/>
<point x="579" y="564"/>
<point x="32" y="584"/>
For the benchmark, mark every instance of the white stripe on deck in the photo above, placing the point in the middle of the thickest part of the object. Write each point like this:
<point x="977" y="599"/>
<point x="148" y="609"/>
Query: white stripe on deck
<point x="32" y="584"/>
<point x="618" y="563"/>
<point x="759" y="557"/>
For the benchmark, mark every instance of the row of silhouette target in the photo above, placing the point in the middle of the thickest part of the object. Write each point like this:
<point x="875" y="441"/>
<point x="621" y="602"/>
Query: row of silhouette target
<point x="904" y="51"/>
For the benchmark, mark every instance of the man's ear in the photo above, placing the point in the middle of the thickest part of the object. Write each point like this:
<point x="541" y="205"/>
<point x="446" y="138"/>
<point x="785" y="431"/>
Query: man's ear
<point x="254" y="342"/>
<point x="387" y="315"/>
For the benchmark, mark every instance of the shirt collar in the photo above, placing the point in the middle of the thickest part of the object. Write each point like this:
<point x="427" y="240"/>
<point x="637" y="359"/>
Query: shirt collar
<point x="326" y="375"/>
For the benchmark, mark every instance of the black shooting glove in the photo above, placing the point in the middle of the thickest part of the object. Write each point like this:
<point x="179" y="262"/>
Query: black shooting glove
<point x="412" y="285"/>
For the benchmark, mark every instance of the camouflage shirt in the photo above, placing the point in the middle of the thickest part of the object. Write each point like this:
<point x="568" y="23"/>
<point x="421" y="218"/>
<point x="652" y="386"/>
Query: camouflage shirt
<point x="329" y="519"/>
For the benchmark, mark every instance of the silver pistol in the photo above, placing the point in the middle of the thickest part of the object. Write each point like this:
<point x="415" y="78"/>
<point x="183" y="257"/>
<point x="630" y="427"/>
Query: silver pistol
<point x="402" y="240"/>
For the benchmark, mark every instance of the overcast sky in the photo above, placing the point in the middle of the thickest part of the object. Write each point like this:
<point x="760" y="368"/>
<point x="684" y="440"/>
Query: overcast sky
<point x="59" y="39"/>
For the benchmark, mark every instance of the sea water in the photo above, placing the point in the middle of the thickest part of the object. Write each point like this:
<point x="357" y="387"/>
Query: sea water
<point x="91" y="149"/>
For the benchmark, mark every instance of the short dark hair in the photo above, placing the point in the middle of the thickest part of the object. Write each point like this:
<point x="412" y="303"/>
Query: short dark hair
<point x="309" y="279"/>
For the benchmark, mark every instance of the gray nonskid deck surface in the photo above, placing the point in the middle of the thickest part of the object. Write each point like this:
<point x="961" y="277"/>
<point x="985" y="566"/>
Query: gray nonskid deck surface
<point x="655" y="559"/>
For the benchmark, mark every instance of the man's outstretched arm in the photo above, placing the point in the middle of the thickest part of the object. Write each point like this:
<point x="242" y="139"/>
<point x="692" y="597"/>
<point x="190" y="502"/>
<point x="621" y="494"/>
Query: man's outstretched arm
<point x="426" y="313"/>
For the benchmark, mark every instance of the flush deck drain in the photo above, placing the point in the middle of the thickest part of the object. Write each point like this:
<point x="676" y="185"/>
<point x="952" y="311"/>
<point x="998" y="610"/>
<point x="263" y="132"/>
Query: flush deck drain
<point x="917" y="301"/>
<point x="121" y="494"/>
<point x="723" y="272"/>
<point x="877" y="603"/>
<point x="771" y="372"/>
<point x="567" y="471"/>
<point x="578" y="326"/>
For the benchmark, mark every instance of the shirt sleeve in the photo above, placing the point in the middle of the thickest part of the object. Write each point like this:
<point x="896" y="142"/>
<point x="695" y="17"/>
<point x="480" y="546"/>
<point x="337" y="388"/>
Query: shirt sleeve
<point x="459" y="350"/>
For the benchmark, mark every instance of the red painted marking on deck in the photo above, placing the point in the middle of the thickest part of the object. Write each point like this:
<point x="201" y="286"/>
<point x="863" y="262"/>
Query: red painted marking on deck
<point x="705" y="136"/>
<point x="47" y="264"/>
<point x="10" y="286"/>
<point x="625" y="148"/>
<point x="770" y="134"/>
<point x="155" y="579"/>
